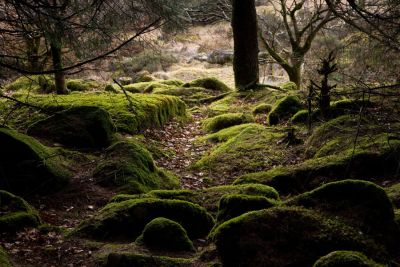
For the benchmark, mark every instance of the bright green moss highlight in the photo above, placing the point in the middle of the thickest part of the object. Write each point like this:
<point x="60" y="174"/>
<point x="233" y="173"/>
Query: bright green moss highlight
<point x="130" y="166"/>
<point x="141" y="260"/>
<point x="262" y="109"/>
<point x="346" y="258"/>
<point x="165" y="234"/>
<point x="112" y="88"/>
<point x="28" y="166"/>
<point x="234" y="205"/>
<point x="245" y="152"/>
<point x="126" y="220"/>
<point x="146" y="110"/>
<point x="228" y="133"/>
<point x="4" y="260"/>
<point x="220" y="122"/>
<point x="209" y="83"/>
<point x="283" y="109"/>
<point x="257" y="238"/>
<point x="82" y="85"/>
<point x="35" y="83"/>
<point x="16" y="213"/>
<point x="300" y="117"/>
<point x="289" y="86"/>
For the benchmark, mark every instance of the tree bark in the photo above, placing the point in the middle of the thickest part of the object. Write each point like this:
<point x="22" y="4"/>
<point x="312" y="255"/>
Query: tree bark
<point x="245" y="32"/>
<point x="59" y="75"/>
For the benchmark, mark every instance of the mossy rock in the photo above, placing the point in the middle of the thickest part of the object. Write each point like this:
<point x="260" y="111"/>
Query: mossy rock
<point x="359" y="203"/>
<point x="262" y="109"/>
<point x="16" y="213"/>
<point x="81" y="85"/>
<point x="132" y="88"/>
<point x="346" y="259"/>
<point x="28" y="167"/>
<point x="283" y="109"/>
<point x="347" y="106"/>
<point x="141" y="260"/>
<point x="4" y="259"/>
<point x="220" y="122"/>
<point x="312" y="173"/>
<point x="34" y="83"/>
<point x="126" y="220"/>
<point x="209" y="83"/>
<point x="165" y="234"/>
<point x="112" y="88"/>
<point x="129" y="165"/>
<point x="228" y="133"/>
<point x="300" y="117"/>
<point x="393" y="193"/>
<point x="234" y="205"/>
<point x="82" y="127"/>
<point x="286" y="236"/>
<point x="289" y="86"/>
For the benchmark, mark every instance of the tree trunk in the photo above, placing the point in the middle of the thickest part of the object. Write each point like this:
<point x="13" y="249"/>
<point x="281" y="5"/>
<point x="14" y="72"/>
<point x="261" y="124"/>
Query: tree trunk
<point x="59" y="75"/>
<point x="245" y="32"/>
<point x="295" y="75"/>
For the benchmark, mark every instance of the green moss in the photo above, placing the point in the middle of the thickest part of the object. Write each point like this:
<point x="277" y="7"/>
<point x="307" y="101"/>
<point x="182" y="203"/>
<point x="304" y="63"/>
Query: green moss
<point x="82" y="85"/>
<point x="28" y="167"/>
<point x="146" y="110"/>
<point x="228" y="133"/>
<point x="209" y="83"/>
<point x="16" y="213"/>
<point x="126" y="220"/>
<point x="35" y="83"/>
<point x="289" y="86"/>
<point x="96" y="130"/>
<point x="4" y="260"/>
<point x="283" y="109"/>
<point x="300" y="117"/>
<point x="234" y="205"/>
<point x="347" y="106"/>
<point x="165" y="234"/>
<point x="141" y="260"/>
<point x="226" y="120"/>
<point x="130" y="165"/>
<point x="286" y="236"/>
<point x="112" y="88"/>
<point x="262" y="109"/>
<point x="190" y="95"/>
<point x="176" y="83"/>
<point x="394" y="194"/>
<point x="132" y="88"/>
<point x="245" y="152"/>
<point x="346" y="258"/>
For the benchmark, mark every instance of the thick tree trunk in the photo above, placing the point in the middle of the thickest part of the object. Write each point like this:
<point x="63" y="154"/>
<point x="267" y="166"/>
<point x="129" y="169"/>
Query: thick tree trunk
<point x="294" y="71"/>
<point x="245" y="32"/>
<point x="59" y="75"/>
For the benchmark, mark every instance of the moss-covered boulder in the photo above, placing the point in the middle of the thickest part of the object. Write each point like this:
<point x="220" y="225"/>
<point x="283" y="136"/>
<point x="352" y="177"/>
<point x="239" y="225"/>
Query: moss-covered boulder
<point x="4" y="260"/>
<point x="129" y="165"/>
<point x="262" y="109"/>
<point x="300" y="117"/>
<point x="209" y="83"/>
<point x="346" y="259"/>
<point x="34" y="83"/>
<point x="234" y="205"/>
<point x="289" y="86"/>
<point x="81" y="85"/>
<point x="220" y="122"/>
<point x="283" y="109"/>
<point x="16" y="213"/>
<point x="27" y="167"/>
<point x="142" y="260"/>
<point x="126" y="220"/>
<point x="165" y="234"/>
<point x="82" y="127"/>
<point x="359" y="203"/>
<point x="286" y="236"/>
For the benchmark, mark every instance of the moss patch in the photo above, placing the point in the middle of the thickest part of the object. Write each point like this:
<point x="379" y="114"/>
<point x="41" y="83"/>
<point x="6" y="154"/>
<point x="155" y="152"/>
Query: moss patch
<point x="27" y="167"/>
<point x="272" y="237"/>
<point x="262" y="109"/>
<point x="394" y="194"/>
<point x="81" y="85"/>
<point x="346" y="258"/>
<point x="16" y="213"/>
<point x="126" y="220"/>
<point x="289" y="86"/>
<point x="228" y="133"/>
<point x="35" y="83"/>
<point x="283" y="109"/>
<point x="141" y="260"/>
<point x="209" y="83"/>
<point x="130" y="165"/>
<point x="83" y="127"/>
<point x="4" y="260"/>
<point x="220" y="122"/>
<point x="165" y="234"/>
<point x="300" y="117"/>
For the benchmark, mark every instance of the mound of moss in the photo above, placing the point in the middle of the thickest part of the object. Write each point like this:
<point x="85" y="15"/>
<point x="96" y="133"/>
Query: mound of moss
<point x="286" y="236"/>
<point x="226" y="134"/>
<point x="255" y="147"/>
<point x="27" y="167"/>
<point x="4" y="260"/>
<point x="81" y="85"/>
<point x="140" y="112"/>
<point x="262" y="109"/>
<point x="126" y="220"/>
<point x="82" y="127"/>
<point x="209" y="83"/>
<point x="394" y="194"/>
<point x="288" y="86"/>
<point x="16" y="213"/>
<point x="34" y="83"/>
<point x="300" y="117"/>
<point x="359" y="203"/>
<point x="234" y="205"/>
<point x="130" y="166"/>
<point x="220" y="122"/>
<point x="347" y="259"/>
<point x="165" y="234"/>
<point x="283" y="109"/>
<point x="141" y="260"/>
